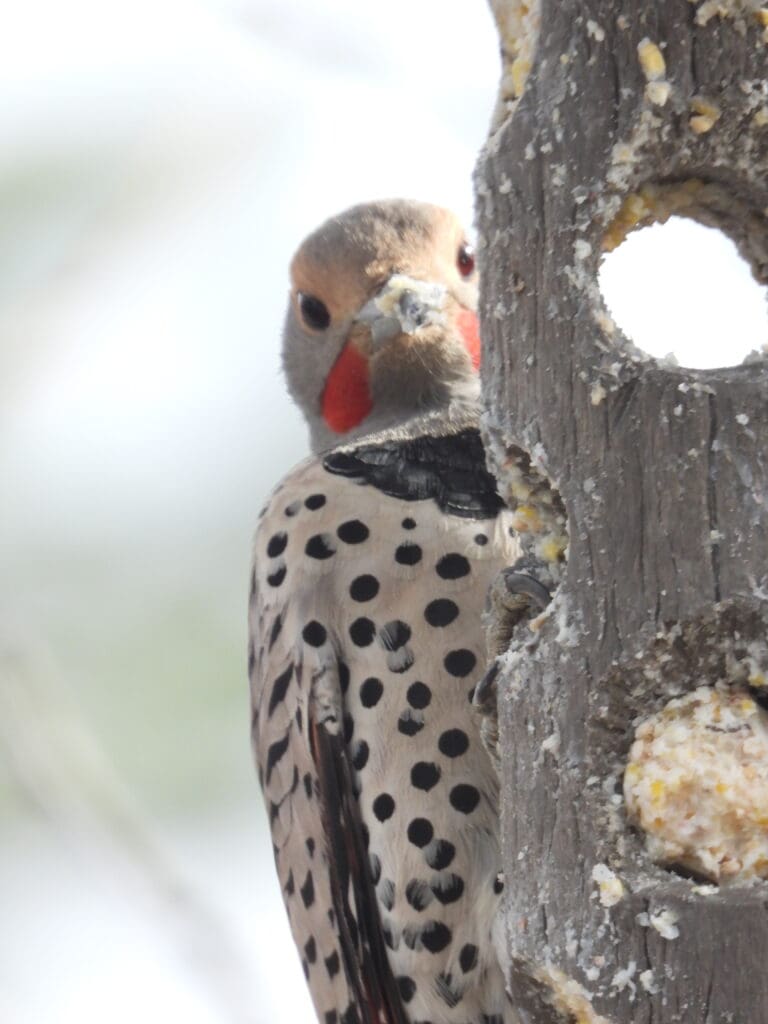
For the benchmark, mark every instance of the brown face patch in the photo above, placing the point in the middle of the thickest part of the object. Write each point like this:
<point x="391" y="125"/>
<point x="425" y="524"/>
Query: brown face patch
<point x="351" y="256"/>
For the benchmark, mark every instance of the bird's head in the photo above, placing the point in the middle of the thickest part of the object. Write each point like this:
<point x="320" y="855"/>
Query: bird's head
<point x="381" y="326"/>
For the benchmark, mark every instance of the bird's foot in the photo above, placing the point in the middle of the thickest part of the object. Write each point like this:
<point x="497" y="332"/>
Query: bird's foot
<point x="518" y="594"/>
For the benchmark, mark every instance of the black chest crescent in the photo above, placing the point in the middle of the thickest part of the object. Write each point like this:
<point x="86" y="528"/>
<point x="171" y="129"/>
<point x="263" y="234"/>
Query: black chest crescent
<point x="449" y="470"/>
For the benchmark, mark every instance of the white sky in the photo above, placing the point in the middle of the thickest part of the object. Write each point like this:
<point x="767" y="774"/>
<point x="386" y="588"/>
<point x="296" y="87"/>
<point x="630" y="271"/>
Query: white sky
<point x="160" y="161"/>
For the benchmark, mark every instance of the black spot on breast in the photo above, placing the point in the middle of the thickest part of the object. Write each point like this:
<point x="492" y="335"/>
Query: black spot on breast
<point x="364" y="588"/>
<point x="274" y="754"/>
<point x="320" y="546"/>
<point x="448" y="889"/>
<point x="314" y="502"/>
<point x="468" y="957"/>
<point x="353" y="532"/>
<point x="419" y="695"/>
<point x="331" y="1017"/>
<point x="418" y="894"/>
<point x="453" y="742"/>
<point x="276" y="578"/>
<point x="481" y="539"/>
<point x="310" y="950"/>
<point x="307" y="780"/>
<point x="290" y="886"/>
<point x="309" y="842"/>
<point x="276" y="545"/>
<point x="459" y="663"/>
<point x="425" y="775"/>
<point x="420" y="832"/>
<point x="333" y="964"/>
<point x="279" y="690"/>
<point x="375" y="867"/>
<point x="384" y="806"/>
<point x="292" y="509"/>
<point x="409" y="724"/>
<point x="314" y="634"/>
<point x="360" y="756"/>
<point x="386" y="894"/>
<point x="408" y="523"/>
<point x="274" y="633"/>
<point x="343" y="670"/>
<point x="435" y="936"/>
<point x="441" y="612"/>
<point x="370" y="692"/>
<point x="464" y="798"/>
<point x="408" y="554"/>
<point x="394" y="635"/>
<point x="452" y="566"/>
<point x="498" y="884"/>
<point x="351" y="1016"/>
<point x="308" y="891"/>
<point x="349" y="726"/>
<point x="362" y="632"/>
<point x="440" y="854"/>
<point x="448" y="992"/>
<point x="406" y="987"/>
<point x="389" y="939"/>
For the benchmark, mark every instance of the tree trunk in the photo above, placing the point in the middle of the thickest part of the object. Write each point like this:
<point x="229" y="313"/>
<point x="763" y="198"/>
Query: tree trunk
<point x="616" y="113"/>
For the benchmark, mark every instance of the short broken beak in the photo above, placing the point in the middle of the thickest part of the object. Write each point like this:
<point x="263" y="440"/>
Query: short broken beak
<point x="402" y="306"/>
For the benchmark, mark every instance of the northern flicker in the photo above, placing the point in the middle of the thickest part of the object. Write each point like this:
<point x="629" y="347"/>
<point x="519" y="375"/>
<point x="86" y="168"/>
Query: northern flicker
<point x="372" y="561"/>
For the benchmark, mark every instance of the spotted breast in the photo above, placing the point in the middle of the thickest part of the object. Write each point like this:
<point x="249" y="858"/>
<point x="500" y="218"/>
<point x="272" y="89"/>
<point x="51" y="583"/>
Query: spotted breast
<point x="371" y="567"/>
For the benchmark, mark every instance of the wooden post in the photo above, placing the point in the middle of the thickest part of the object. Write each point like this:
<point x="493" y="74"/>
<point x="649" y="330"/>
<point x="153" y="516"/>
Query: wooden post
<point x="615" y="113"/>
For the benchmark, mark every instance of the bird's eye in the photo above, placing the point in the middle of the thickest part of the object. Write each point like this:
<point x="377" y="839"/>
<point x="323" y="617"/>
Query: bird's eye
<point x="465" y="261"/>
<point x="314" y="312"/>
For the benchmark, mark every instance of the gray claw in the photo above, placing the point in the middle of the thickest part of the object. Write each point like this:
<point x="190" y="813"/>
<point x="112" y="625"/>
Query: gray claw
<point x="484" y="698"/>
<point x="527" y="586"/>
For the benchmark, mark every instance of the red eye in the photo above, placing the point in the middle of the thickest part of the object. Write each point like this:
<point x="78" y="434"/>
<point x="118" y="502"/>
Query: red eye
<point x="466" y="260"/>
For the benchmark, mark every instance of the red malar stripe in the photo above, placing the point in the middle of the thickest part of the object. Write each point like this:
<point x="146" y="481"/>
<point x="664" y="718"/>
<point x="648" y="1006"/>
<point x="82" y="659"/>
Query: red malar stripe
<point x="347" y="396"/>
<point x="470" y="334"/>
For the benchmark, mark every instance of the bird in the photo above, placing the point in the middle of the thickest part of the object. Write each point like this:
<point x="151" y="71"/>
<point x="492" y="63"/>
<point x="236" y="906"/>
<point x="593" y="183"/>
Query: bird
<point x="371" y="562"/>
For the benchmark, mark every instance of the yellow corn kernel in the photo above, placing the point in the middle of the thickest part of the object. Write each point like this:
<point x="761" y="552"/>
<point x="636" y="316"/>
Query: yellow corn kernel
<point x="651" y="60"/>
<point x="529" y="516"/>
<point x="519" y="71"/>
<point x="551" y="550"/>
<point x="657" y="790"/>
<point x="701" y="105"/>
<point x="658" y="93"/>
<point x="701" y="123"/>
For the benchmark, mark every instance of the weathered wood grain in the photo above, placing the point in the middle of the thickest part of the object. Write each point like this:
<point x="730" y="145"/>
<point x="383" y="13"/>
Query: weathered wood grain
<point x="663" y="473"/>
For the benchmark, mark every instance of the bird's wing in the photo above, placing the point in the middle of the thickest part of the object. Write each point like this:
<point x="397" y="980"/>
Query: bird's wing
<point x="297" y="676"/>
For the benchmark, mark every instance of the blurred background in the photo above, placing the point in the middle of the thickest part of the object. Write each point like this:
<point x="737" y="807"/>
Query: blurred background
<point x="160" y="161"/>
